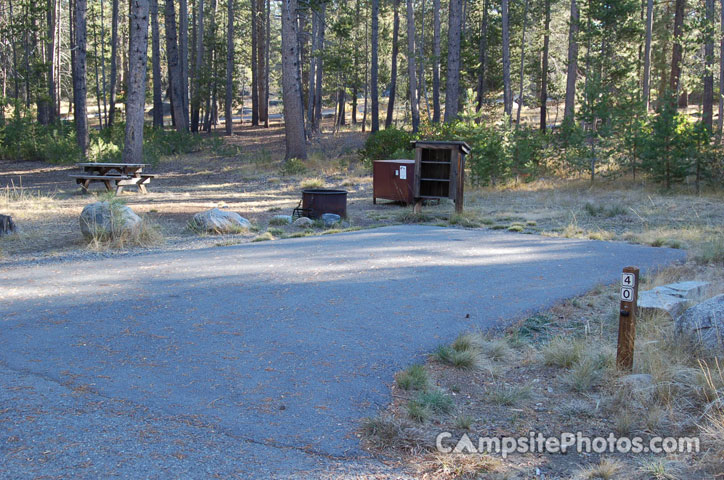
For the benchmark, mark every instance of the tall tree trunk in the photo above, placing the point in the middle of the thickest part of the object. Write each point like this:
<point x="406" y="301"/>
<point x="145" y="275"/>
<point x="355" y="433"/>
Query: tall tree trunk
<point x="183" y="54"/>
<point x="708" y="100"/>
<point x="436" y="61"/>
<point x="373" y="67"/>
<point x="483" y="56"/>
<point x="544" y="70"/>
<point x="266" y="63"/>
<point x="411" y="72"/>
<point x="98" y="83"/>
<point x="136" y="98"/>
<point x="174" y="68"/>
<point x="572" y="72"/>
<point x="522" y="64"/>
<point x="319" y="69"/>
<point x="80" y="88"/>
<point x="647" y="54"/>
<point x="211" y="66"/>
<point x="721" y="72"/>
<point x="677" y="52"/>
<point x="114" y="62"/>
<point x="452" y="86"/>
<point x="312" y="73"/>
<point x="198" y="66"/>
<point x="393" y="68"/>
<point x="51" y="59"/>
<point x="103" y="63"/>
<point x="254" y="66"/>
<point x="229" y="66"/>
<point x="261" y="60"/>
<point x="296" y="144"/>
<point x="156" y="66"/>
<point x="507" y="94"/>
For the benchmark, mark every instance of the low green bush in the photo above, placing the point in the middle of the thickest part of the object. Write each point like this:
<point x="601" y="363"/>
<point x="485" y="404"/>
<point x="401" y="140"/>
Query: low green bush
<point x="388" y="143"/>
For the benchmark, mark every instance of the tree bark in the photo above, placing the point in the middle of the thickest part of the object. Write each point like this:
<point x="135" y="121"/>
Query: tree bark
<point x="174" y="68"/>
<point x="80" y="88"/>
<point x="482" y="56"/>
<point x="411" y="72"/>
<point x="296" y="144"/>
<point x="374" y="93"/>
<point x="544" y="70"/>
<point x="320" y="69"/>
<point x="51" y="59"/>
<point x="262" y="74"/>
<point x="436" y="61"/>
<point x="114" y="63"/>
<point x="198" y="66"/>
<point x="572" y="72"/>
<point x="183" y="53"/>
<point x="677" y="52"/>
<point x="211" y="65"/>
<point x="522" y="64"/>
<point x="646" y="90"/>
<point x="393" y="68"/>
<point x="721" y="72"/>
<point x="229" y="66"/>
<point x="507" y="94"/>
<point x="254" y="67"/>
<point x="452" y="85"/>
<point x="708" y="100"/>
<point x="136" y="98"/>
<point x="156" y="66"/>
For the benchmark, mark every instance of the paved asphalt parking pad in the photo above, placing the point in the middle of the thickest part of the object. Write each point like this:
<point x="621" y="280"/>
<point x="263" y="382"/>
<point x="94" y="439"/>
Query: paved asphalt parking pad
<point x="256" y="360"/>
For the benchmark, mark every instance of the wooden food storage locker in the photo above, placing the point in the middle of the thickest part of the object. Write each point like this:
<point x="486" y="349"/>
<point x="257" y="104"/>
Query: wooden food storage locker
<point x="439" y="171"/>
<point x="393" y="180"/>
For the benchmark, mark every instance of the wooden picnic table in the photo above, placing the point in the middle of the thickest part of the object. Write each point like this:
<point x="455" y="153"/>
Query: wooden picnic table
<point x="122" y="174"/>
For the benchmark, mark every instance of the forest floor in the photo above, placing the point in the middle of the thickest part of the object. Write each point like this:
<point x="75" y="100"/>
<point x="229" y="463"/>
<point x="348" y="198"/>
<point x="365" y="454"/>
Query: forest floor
<point x="515" y="387"/>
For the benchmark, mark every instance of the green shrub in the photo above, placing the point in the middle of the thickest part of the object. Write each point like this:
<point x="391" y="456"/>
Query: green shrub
<point x="22" y="138"/>
<point x="414" y="378"/>
<point x="388" y="143"/>
<point x="293" y="166"/>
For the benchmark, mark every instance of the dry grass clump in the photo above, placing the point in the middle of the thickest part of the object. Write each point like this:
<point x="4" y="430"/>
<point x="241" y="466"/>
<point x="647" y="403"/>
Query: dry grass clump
<point x="606" y="469"/>
<point x="414" y="378"/>
<point x="462" y="466"/>
<point x="562" y="352"/>
<point x="312" y="183"/>
<point x="508" y="395"/>
<point x="147" y="234"/>
<point x="266" y="236"/>
<point x="386" y="431"/>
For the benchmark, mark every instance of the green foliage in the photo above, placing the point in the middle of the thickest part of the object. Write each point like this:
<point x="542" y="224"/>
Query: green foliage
<point x="668" y="151"/>
<point x="414" y="378"/>
<point x="22" y="138"/>
<point x="293" y="166"/>
<point x="388" y="143"/>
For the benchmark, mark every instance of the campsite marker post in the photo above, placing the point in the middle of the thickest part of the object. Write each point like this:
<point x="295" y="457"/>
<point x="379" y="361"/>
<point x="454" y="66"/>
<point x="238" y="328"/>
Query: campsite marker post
<point x="627" y="318"/>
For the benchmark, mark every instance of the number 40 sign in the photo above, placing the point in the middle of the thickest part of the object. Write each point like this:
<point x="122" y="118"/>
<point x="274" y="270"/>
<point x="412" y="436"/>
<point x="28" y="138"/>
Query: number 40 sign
<point x="628" y="283"/>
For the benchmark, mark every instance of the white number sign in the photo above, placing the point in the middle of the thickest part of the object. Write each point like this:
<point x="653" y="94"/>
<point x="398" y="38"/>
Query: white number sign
<point x="627" y="294"/>
<point x="628" y="280"/>
<point x="403" y="173"/>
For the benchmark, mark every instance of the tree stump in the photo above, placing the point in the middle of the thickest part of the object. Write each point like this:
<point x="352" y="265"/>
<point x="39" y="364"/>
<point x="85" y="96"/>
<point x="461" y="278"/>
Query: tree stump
<point x="7" y="226"/>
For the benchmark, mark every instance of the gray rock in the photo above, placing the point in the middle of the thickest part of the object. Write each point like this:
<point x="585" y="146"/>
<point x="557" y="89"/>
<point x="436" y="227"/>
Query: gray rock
<point x="688" y="290"/>
<point x="219" y="221"/>
<point x="303" y="222"/>
<point x="330" y="219"/>
<point x="703" y="324"/>
<point x="280" y="220"/>
<point x="672" y="298"/>
<point x="658" y="301"/>
<point x="7" y="226"/>
<point x="108" y="220"/>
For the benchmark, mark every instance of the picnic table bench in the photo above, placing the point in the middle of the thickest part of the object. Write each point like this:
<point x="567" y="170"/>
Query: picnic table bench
<point x="120" y="174"/>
